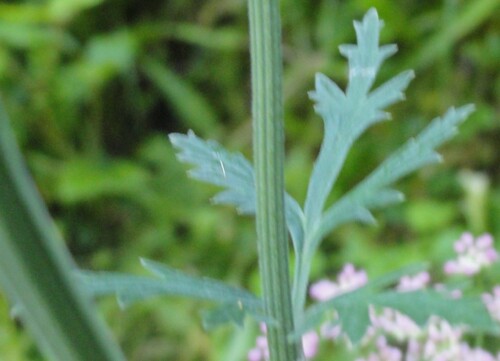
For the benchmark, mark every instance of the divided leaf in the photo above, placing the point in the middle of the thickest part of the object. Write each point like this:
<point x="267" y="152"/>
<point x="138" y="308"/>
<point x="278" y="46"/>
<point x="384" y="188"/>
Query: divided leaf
<point x="170" y="282"/>
<point x="215" y="165"/>
<point x="347" y="115"/>
<point x="229" y="312"/>
<point x="315" y="314"/>
<point x="353" y="308"/>
<point x="375" y="192"/>
<point x="420" y="305"/>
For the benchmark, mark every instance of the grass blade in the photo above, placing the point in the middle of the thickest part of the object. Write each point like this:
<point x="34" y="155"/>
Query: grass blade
<point x="35" y="269"/>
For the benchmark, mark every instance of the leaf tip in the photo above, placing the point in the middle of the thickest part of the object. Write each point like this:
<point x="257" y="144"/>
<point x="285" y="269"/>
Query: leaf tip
<point x="372" y="12"/>
<point x="467" y="110"/>
<point x="174" y="138"/>
<point x="122" y="303"/>
<point x="143" y="261"/>
<point x="319" y="80"/>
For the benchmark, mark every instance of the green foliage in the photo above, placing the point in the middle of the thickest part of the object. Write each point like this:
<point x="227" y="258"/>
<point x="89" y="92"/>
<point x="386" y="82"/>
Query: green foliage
<point x="188" y="103"/>
<point x="68" y="112"/>
<point x="353" y="307"/>
<point x="374" y="192"/>
<point x="346" y="116"/>
<point x="169" y="282"/>
<point x="215" y="165"/>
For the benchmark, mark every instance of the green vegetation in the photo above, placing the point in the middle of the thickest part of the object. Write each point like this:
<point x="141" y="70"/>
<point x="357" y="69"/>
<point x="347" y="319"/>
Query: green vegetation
<point x="93" y="87"/>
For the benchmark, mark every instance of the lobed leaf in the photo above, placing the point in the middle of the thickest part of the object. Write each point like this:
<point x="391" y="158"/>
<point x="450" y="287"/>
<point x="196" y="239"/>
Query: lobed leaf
<point x="353" y="308"/>
<point x="420" y="305"/>
<point x="375" y="192"/>
<point x="354" y="302"/>
<point x="347" y="115"/>
<point x="215" y="165"/>
<point x="234" y="313"/>
<point x="170" y="282"/>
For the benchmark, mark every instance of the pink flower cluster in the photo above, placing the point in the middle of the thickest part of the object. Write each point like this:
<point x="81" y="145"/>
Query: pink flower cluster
<point x="472" y="255"/>
<point x="393" y="323"/>
<point x="439" y="341"/>
<point x="412" y="283"/>
<point x="383" y="352"/>
<point x="492" y="302"/>
<point x="348" y="279"/>
<point x="392" y="335"/>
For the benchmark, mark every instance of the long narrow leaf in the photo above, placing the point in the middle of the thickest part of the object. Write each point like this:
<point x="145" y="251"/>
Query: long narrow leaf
<point x="35" y="269"/>
<point x="130" y="289"/>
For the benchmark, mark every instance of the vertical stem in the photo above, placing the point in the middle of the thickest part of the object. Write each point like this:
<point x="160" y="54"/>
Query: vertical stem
<point x="268" y="143"/>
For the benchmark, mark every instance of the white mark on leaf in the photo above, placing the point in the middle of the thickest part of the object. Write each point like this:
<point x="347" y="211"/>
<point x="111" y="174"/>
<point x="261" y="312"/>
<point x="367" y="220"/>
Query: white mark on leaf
<point x="221" y="164"/>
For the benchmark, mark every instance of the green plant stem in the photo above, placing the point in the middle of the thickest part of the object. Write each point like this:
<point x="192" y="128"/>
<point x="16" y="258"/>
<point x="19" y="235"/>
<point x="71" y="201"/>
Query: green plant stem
<point x="268" y="143"/>
<point x="301" y="279"/>
<point x="302" y="272"/>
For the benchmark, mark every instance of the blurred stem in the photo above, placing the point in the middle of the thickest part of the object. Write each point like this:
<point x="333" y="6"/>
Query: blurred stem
<point x="268" y="144"/>
<point x="35" y="269"/>
<point x="476" y="189"/>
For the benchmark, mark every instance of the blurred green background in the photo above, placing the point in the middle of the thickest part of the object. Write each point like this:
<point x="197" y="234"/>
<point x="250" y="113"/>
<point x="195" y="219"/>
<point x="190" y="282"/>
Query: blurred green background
<point x="93" y="87"/>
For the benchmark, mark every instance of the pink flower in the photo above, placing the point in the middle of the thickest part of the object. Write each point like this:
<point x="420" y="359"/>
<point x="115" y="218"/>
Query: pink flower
<point x="492" y="302"/>
<point x="261" y="350"/>
<point x="443" y="341"/>
<point x="384" y="352"/>
<point x="349" y="279"/>
<point x="453" y="293"/>
<point x="472" y="255"/>
<point x="323" y="290"/>
<point x="394" y="324"/>
<point x="310" y="344"/>
<point x="476" y="354"/>
<point x="413" y="283"/>
<point x="330" y="331"/>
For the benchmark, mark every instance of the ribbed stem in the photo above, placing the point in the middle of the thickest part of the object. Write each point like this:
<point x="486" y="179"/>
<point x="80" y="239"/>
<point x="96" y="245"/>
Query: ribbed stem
<point x="268" y="143"/>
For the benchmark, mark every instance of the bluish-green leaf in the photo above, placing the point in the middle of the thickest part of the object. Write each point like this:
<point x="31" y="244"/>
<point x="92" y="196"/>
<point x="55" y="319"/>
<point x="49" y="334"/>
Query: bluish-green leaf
<point x="420" y="305"/>
<point x="232" y="313"/>
<point x="130" y="289"/>
<point x="215" y="165"/>
<point x="375" y="191"/>
<point x="347" y="115"/>
<point x="222" y="315"/>
<point x="353" y="308"/>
